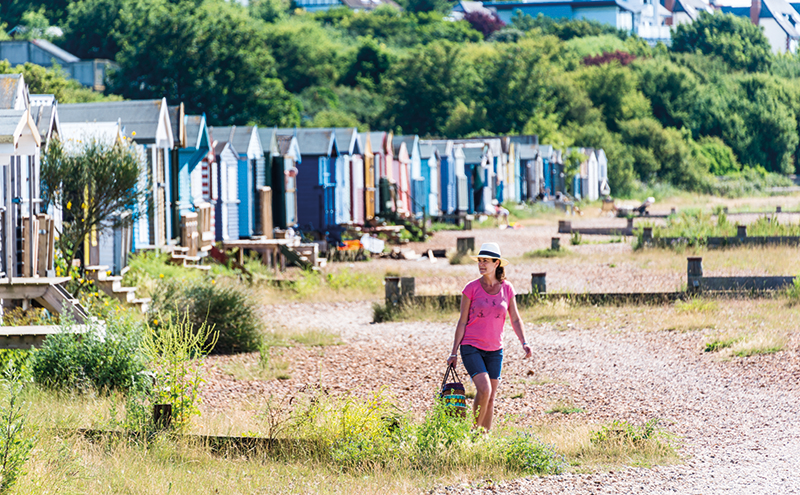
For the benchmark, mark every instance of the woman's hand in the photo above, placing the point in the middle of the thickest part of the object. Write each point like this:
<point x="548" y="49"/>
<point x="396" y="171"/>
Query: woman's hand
<point x="452" y="360"/>
<point x="527" y="349"/>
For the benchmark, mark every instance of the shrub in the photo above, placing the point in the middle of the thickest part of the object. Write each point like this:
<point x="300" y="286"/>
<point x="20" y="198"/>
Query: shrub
<point x="99" y="359"/>
<point x="176" y="351"/>
<point x="16" y="442"/>
<point x="226" y="309"/>
<point x="525" y="453"/>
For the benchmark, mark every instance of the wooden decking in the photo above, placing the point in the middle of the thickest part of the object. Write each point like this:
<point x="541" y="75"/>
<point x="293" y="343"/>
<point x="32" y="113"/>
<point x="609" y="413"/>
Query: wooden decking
<point x="28" y="337"/>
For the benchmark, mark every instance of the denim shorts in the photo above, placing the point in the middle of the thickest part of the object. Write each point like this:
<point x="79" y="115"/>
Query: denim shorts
<point x="479" y="361"/>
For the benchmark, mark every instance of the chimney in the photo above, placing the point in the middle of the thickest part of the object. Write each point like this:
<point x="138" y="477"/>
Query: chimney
<point x="755" y="11"/>
<point x="669" y="5"/>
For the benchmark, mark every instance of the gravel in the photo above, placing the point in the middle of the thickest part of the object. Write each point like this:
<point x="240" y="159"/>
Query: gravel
<point x="737" y="420"/>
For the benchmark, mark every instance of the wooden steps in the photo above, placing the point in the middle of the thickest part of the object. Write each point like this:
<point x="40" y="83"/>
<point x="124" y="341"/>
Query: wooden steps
<point x="112" y="286"/>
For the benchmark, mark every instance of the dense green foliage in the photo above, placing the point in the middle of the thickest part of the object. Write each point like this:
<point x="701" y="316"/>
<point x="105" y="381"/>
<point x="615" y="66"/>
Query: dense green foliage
<point x="227" y="310"/>
<point x="103" y="359"/>
<point x="717" y="102"/>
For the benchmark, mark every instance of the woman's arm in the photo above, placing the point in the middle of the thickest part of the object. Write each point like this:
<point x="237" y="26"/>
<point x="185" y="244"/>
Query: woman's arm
<point x="516" y="324"/>
<point x="461" y="327"/>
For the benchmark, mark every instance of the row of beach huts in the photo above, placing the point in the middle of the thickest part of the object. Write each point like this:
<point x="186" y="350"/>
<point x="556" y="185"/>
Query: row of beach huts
<point x="208" y="184"/>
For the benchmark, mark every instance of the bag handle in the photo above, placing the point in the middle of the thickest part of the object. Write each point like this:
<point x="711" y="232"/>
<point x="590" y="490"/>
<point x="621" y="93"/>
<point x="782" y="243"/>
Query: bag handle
<point x="450" y="369"/>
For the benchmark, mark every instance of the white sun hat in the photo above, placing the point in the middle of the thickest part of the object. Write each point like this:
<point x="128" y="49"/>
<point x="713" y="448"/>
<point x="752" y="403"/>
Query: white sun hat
<point x="490" y="250"/>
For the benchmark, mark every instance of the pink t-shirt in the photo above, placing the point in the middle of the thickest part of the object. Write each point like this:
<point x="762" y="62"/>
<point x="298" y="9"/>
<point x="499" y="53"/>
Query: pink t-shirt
<point x="487" y="315"/>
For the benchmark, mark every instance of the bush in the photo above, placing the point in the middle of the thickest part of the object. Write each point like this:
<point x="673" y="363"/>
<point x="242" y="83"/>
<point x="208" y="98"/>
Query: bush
<point x="98" y="360"/>
<point x="227" y="310"/>
<point x="527" y="454"/>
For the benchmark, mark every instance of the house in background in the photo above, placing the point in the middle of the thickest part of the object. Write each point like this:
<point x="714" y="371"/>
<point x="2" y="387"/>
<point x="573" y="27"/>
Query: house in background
<point x="349" y="176"/>
<point x="777" y="18"/>
<point x="147" y="124"/>
<point x="403" y="148"/>
<point x="90" y="73"/>
<point x="429" y="168"/>
<point x="20" y="148"/>
<point x="316" y="177"/>
<point x="354" y="5"/>
<point x="380" y="144"/>
<point x="197" y="176"/>
<point x="684" y="11"/>
<point x="227" y="207"/>
<point x="532" y="170"/>
<point x="445" y="150"/>
<point x="252" y="173"/>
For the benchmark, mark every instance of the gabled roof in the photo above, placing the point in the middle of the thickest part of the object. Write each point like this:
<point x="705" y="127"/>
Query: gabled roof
<point x="46" y="119"/>
<point x="13" y="93"/>
<point x="16" y="123"/>
<point x="288" y="147"/>
<point x="473" y="155"/>
<point x="55" y="51"/>
<point x="196" y="132"/>
<point x="239" y="136"/>
<point x="408" y="140"/>
<point x="622" y="4"/>
<point x="528" y="151"/>
<point x="784" y="14"/>
<point x="692" y="8"/>
<point x="546" y="150"/>
<point x="443" y="146"/>
<point x="314" y="141"/>
<point x="219" y="147"/>
<point x="177" y="119"/>
<point x="426" y="150"/>
<point x="140" y="118"/>
<point x="348" y="140"/>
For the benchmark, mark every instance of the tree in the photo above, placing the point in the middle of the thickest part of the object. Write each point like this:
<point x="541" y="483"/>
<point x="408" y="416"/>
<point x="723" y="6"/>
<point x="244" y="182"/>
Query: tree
<point x="671" y="89"/>
<point x="12" y="11"/>
<point x="443" y="6"/>
<point x="425" y="87"/>
<point x="92" y="185"/>
<point x="94" y="28"/>
<point x="736" y="40"/>
<point x="269" y="10"/>
<point x="483" y="22"/>
<point x="371" y="63"/>
<point x="214" y="59"/>
<point x="53" y="81"/>
<point x="305" y="54"/>
<point x="613" y="89"/>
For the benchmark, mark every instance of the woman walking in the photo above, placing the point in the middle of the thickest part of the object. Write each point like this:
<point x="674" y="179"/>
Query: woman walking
<point x="479" y="333"/>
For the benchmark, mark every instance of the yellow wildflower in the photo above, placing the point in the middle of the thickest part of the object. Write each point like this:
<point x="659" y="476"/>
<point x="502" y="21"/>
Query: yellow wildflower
<point x="69" y="205"/>
<point x="160" y="275"/>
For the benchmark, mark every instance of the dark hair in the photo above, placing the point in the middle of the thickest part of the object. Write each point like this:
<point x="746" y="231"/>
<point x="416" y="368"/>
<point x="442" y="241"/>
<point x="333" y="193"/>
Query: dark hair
<point x="500" y="273"/>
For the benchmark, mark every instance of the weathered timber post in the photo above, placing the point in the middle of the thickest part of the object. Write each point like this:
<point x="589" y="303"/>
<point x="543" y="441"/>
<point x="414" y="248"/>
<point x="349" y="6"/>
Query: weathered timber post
<point x="564" y="227"/>
<point x="778" y="209"/>
<point x="555" y="244"/>
<point x="647" y="233"/>
<point x="694" y="273"/>
<point x="725" y="210"/>
<point x="399" y="289"/>
<point x="392" y="290"/>
<point x="407" y="287"/>
<point x="741" y="231"/>
<point x="465" y="245"/>
<point x="538" y="283"/>
<point x="673" y="211"/>
<point x="162" y="415"/>
<point x="629" y="227"/>
<point x="468" y="222"/>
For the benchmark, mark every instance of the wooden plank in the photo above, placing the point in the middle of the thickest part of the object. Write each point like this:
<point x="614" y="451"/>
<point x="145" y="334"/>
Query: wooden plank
<point x="43" y="255"/>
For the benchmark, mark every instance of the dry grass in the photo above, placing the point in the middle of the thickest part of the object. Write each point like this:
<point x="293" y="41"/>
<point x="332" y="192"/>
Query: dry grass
<point x="574" y="441"/>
